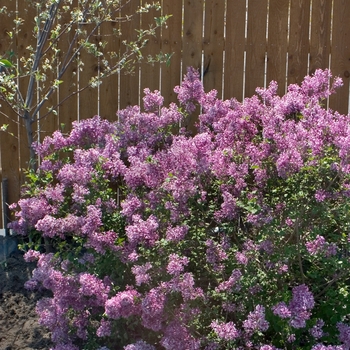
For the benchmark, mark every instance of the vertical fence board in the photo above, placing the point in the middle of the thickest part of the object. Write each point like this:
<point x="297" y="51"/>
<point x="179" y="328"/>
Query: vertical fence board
<point x="171" y="44"/>
<point x="48" y="121"/>
<point x="88" y="99"/>
<point x="68" y="110"/>
<point x="129" y="83"/>
<point x="255" y="46"/>
<point x="213" y="45"/>
<point x="10" y="155"/>
<point x="340" y="61"/>
<point x="192" y="35"/>
<point x="150" y="73"/>
<point x="192" y="46"/>
<point x="234" y="49"/>
<point x="298" y="47"/>
<point x="277" y="43"/>
<point x="320" y="42"/>
<point x="110" y="87"/>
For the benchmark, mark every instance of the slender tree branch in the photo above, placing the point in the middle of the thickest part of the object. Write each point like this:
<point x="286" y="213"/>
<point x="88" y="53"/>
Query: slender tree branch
<point x="42" y="37"/>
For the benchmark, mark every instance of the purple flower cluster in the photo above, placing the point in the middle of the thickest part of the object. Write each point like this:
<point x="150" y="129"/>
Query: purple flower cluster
<point x="176" y="264"/>
<point x="124" y="304"/>
<point x="316" y="331"/>
<point x="320" y="246"/>
<point x="226" y="331"/>
<point x="140" y="345"/>
<point x="152" y="309"/>
<point x="298" y="310"/>
<point x="256" y="321"/>
<point x="231" y="282"/>
<point x="141" y="273"/>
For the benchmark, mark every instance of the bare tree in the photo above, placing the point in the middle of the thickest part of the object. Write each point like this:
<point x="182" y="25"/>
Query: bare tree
<point x="76" y="22"/>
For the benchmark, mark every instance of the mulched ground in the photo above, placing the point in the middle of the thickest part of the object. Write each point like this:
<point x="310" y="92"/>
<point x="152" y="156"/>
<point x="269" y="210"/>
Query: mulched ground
<point x="19" y="328"/>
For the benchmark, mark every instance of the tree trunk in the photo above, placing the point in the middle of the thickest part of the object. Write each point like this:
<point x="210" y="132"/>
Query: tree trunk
<point x="33" y="162"/>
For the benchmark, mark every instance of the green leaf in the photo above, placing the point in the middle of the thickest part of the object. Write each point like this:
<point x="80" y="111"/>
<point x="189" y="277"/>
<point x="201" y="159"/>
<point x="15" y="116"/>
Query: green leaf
<point x="5" y="63"/>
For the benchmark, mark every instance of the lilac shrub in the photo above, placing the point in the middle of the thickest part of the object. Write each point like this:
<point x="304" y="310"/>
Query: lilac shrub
<point x="235" y="237"/>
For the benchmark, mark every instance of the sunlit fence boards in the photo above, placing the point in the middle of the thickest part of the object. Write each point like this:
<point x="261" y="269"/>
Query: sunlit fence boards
<point x="236" y="45"/>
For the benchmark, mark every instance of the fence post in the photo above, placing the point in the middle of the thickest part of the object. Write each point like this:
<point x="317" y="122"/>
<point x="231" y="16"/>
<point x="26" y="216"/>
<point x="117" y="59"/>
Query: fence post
<point x="5" y="205"/>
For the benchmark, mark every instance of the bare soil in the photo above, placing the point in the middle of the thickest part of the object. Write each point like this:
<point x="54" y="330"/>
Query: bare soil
<point x="19" y="328"/>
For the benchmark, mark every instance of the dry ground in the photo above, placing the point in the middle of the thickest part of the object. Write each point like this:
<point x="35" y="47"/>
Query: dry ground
<point x="19" y="328"/>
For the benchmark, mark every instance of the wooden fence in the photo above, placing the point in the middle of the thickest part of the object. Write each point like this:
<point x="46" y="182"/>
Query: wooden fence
<point x="237" y="45"/>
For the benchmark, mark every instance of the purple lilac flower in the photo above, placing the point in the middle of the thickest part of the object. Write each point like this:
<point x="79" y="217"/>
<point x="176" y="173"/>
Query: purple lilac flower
<point x="140" y="272"/>
<point x="319" y="245"/>
<point x="124" y="304"/>
<point x="231" y="282"/>
<point x="152" y="309"/>
<point x="229" y="307"/>
<point x="328" y="347"/>
<point x="143" y="230"/>
<point x="91" y="285"/>
<point x="49" y="315"/>
<point x="344" y="334"/>
<point x="152" y="100"/>
<point x="56" y="194"/>
<point x="79" y="193"/>
<point x="177" y="233"/>
<point x="89" y="132"/>
<point x="282" y="310"/>
<point x="176" y="264"/>
<point x="256" y="321"/>
<point x="140" y="345"/>
<point x="80" y="322"/>
<point x="177" y="337"/>
<point x="299" y="307"/>
<point x="212" y="346"/>
<point x="331" y="250"/>
<point x="316" y="245"/>
<point x="283" y="268"/>
<point x="191" y="90"/>
<point x="31" y="284"/>
<point x="226" y="331"/>
<point x="130" y="206"/>
<point x="50" y="226"/>
<point x="101" y="241"/>
<point x="104" y="330"/>
<point x="289" y="222"/>
<point x="71" y="173"/>
<point x="32" y="210"/>
<point x="316" y="331"/>
<point x="31" y="255"/>
<point x="185" y="284"/>
<point x="228" y="207"/>
<point x="266" y="246"/>
<point x="291" y="338"/>
<point x="241" y="258"/>
<point x="255" y="289"/>
<point x="320" y="195"/>
<point x="289" y="162"/>
<point x="215" y="254"/>
<point x="92" y="220"/>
